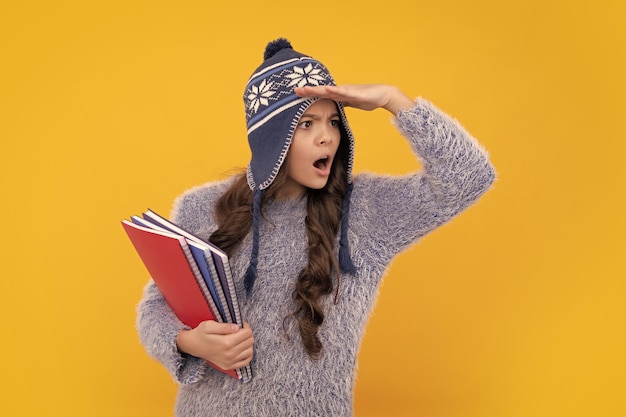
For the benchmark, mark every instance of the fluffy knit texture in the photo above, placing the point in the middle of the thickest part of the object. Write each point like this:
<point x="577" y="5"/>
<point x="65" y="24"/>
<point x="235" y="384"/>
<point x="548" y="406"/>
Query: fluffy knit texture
<point x="388" y="214"/>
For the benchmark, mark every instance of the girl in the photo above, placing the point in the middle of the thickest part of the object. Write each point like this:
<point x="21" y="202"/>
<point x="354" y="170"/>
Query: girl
<point x="308" y="243"/>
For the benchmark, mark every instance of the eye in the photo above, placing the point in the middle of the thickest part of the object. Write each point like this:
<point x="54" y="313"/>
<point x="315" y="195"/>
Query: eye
<point x="306" y="124"/>
<point x="334" y="123"/>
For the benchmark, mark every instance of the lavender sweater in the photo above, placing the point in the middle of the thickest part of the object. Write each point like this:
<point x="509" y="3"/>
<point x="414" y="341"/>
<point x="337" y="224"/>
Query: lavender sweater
<point x="387" y="215"/>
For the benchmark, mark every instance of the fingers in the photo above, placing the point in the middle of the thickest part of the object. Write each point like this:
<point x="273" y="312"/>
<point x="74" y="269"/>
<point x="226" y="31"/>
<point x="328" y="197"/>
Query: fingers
<point x="236" y="349"/>
<point x="322" y="91"/>
<point x="228" y="335"/>
<point x="240" y="340"/>
<point x="310" y="91"/>
<point x="225" y="345"/>
<point x="361" y="96"/>
<point x="213" y="327"/>
<point x="241" y="354"/>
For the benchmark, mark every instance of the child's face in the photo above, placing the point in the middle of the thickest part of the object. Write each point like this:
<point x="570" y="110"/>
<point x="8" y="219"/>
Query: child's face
<point x="313" y="148"/>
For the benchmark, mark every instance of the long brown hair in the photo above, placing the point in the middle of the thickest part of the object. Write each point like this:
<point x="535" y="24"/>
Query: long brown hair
<point x="233" y="214"/>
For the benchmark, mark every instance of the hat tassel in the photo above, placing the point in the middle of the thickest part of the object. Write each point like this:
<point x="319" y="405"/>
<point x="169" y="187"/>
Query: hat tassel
<point x="251" y="273"/>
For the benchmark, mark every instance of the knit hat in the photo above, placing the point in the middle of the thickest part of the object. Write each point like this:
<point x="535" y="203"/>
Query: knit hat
<point x="272" y="114"/>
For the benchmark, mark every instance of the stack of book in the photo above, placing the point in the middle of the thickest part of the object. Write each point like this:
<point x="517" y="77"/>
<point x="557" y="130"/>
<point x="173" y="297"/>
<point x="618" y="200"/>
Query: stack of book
<point x="193" y="275"/>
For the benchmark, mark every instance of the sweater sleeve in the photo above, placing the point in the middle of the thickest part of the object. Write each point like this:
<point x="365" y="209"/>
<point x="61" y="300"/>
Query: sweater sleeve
<point x="394" y="212"/>
<point x="158" y="327"/>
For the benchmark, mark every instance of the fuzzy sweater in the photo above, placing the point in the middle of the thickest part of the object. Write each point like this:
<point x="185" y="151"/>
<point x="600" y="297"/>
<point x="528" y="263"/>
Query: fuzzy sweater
<point x="387" y="215"/>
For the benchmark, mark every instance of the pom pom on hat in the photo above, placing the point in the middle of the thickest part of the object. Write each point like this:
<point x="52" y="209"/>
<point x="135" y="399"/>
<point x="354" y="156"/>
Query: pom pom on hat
<point x="278" y="45"/>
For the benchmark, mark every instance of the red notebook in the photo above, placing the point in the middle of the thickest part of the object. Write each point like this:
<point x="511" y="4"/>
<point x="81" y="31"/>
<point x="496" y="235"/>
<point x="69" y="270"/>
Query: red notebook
<point x="169" y="261"/>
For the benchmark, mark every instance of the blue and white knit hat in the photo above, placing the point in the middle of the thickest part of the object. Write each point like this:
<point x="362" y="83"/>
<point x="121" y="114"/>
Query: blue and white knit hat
<point x="272" y="114"/>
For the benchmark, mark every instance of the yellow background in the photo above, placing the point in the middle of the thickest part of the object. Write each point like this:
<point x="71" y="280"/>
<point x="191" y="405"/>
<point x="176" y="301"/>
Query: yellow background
<point x="516" y="308"/>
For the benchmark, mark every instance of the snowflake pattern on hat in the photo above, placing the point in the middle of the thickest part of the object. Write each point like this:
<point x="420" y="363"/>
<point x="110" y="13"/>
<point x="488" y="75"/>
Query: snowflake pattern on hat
<point x="274" y="92"/>
<point x="304" y="76"/>
<point x="259" y="95"/>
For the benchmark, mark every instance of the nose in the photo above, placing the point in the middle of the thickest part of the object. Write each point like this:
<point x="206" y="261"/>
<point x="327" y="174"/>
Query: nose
<point x="326" y="136"/>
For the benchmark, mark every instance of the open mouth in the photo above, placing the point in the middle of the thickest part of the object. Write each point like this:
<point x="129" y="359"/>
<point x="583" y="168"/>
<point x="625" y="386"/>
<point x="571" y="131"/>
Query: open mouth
<point x="321" y="163"/>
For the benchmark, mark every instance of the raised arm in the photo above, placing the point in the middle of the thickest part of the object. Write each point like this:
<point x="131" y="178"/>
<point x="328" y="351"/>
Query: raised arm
<point x="393" y="212"/>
